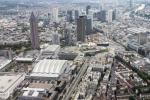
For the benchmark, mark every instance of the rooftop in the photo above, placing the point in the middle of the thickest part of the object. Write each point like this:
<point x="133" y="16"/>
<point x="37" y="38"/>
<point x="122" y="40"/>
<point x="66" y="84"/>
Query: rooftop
<point x="49" y="68"/>
<point x="51" y="48"/>
<point x="24" y="59"/>
<point x="41" y="85"/>
<point x="8" y="80"/>
<point x="4" y="62"/>
<point x="138" y="30"/>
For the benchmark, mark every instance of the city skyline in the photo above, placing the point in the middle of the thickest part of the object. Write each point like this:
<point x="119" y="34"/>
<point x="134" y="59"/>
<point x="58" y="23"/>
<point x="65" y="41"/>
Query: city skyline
<point x="74" y="49"/>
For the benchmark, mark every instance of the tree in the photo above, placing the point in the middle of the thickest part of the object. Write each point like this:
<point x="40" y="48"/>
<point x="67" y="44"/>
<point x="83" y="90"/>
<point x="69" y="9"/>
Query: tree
<point x="131" y="98"/>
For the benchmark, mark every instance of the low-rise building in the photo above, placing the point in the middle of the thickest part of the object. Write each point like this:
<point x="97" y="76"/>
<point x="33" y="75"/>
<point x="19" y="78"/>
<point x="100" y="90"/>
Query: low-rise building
<point x="51" y="51"/>
<point x="8" y="83"/>
<point x="49" y="69"/>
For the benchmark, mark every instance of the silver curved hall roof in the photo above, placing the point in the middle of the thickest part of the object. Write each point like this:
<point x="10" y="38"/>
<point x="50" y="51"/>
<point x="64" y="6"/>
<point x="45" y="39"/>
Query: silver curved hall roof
<point x="49" y="68"/>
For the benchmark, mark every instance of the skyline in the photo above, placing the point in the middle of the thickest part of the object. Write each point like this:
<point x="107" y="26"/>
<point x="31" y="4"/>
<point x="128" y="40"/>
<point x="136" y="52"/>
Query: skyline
<point x="72" y="0"/>
<point x="74" y="50"/>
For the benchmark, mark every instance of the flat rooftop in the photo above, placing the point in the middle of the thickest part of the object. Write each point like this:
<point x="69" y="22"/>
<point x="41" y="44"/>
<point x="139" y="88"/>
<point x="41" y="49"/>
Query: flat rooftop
<point x="29" y="54"/>
<point x="4" y="62"/>
<point x="41" y="85"/>
<point x="21" y="59"/>
<point x="8" y="80"/>
<point x="51" y="48"/>
<point x="138" y="30"/>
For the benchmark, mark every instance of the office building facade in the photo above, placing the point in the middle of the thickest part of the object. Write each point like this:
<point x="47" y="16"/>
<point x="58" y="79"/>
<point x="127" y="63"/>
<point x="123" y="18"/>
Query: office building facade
<point x="34" y="32"/>
<point x="81" y="28"/>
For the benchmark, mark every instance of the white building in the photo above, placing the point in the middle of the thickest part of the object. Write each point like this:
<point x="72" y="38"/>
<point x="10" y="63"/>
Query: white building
<point x="28" y="56"/>
<point x="90" y="18"/>
<point x="5" y="59"/>
<point x="110" y="16"/>
<point x="4" y="63"/>
<point x="8" y="82"/>
<point x="51" y="51"/>
<point x="90" y="15"/>
<point x="21" y="59"/>
<point x="49" y="69"/>
<point x="55" y="14"/>
<point x="32" y="94"/>
<point x="102" y="4"/>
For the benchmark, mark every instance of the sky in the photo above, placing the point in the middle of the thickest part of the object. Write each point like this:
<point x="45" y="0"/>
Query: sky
<point x="77" y="1"/>
<point x="65" y="0"/>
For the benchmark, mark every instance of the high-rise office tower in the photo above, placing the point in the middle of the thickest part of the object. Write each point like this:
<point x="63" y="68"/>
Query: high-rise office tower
<point x="55" y="14"/>
<point x="89" y="23"/>
<point x="147" y="2"/>
<point x="76" y="14"/>
<point x="114" y="15"/>
<point x="102" y="4"/>
<point x="87" y="9"/>
<point x="69" y="16"/>
<point x="110" y="16"/>
<point x="116" y="3"/>
<point x="102" y="16"/>
<point x="34" y="32"/>
<point x="91" y="16"/>
<point x="131" y="4"/>
<point x="89" y="27"/>
<point x="81" y="28"/>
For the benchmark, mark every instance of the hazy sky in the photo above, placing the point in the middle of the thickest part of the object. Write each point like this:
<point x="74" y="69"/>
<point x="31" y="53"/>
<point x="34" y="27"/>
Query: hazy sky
<point x="95" y="1"/>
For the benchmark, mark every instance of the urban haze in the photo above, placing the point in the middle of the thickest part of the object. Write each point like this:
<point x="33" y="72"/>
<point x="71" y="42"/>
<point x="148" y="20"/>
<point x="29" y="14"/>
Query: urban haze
<point x="74" y="49"/>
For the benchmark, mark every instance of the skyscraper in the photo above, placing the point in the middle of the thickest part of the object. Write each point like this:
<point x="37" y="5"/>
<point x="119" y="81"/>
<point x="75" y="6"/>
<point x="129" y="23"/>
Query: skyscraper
<point x="102" y="16"/>
<point x="110" y="16"/>
<point x="88" y="26"/>
<point x="55" y="14"/>
<point x="76" y="14"/>
<point x="114" y="15"/>
<point x="131" y="4"/>
<point x="116" y="3"/>
<point x="91" y="16"/>
<point x="81" y="28"/>
<point x="69" y="16"/>
<point x="87" y="9"/>
<point x="34" y="32"/>
<point x="102" y="4"/>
